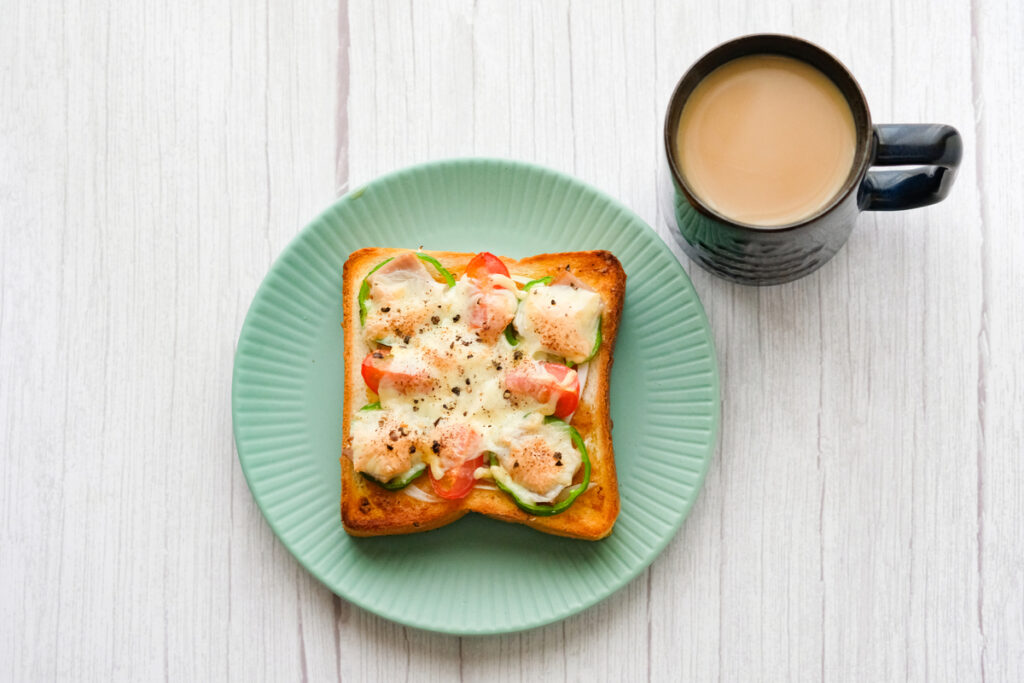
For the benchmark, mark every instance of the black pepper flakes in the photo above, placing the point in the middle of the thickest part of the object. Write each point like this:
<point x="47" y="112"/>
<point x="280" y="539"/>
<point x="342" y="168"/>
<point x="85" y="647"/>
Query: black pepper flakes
<point x="390" y="447"/>
<point x="436" y="421"/>
<point x="435" y="319"/>
<point x="406" y="339"/>
<point x="552" y="302"/>
<point x="467" y="381"/>
<point x="507" y="394"/>
<point x="456" y="391"/>
<point x="456" y="318"/>
<point x="412" y="449"/>
<point x="558" y="463"/>
<point x="436" y="447"/>
<point x="518" y="355"/>
<point x="386" y="309"/>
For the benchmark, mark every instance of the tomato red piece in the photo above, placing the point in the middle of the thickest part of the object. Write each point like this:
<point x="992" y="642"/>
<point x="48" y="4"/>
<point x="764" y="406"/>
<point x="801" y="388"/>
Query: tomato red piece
<point x="493" y="305"/>
<point x="546" y="381"/>
<point x="483" y="264"/>
<point x="373" y="369"/>
<point x="457" y="481"/>
<point x="568" y="390"/>
<point x="457" y="447"/>
<point x="377" y="367"/>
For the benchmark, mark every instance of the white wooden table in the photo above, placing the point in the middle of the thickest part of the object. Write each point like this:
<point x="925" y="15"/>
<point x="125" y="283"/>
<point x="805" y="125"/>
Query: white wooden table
<point x="863" y="518"/>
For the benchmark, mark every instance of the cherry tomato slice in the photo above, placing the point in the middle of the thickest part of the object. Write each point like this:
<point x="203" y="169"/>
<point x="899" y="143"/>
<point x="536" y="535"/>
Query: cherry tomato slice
<point x="458" y="481"/>
<point x="568" y="392"/>
<point x="550" y="379"/>
<point x="493" y="306"/>
<point x="376" y="368"/>
<point x="483" y="264"/>
<point x="373" y="369"/>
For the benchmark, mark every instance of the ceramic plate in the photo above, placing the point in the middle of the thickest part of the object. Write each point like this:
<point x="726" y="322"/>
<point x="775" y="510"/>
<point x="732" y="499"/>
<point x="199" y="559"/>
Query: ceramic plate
<point x="477" y="575"/>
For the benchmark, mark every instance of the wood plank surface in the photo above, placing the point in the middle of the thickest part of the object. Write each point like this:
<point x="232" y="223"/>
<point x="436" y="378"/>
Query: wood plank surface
<point x="863" y="518"/>
<point x="154" y="159"/>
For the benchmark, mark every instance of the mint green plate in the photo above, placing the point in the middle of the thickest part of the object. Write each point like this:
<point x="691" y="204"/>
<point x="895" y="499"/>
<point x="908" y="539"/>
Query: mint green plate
<point x="477" y="575"/>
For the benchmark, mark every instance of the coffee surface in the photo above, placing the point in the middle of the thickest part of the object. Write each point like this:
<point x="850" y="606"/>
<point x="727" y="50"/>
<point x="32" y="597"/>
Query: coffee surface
<point x="766" y="140"/>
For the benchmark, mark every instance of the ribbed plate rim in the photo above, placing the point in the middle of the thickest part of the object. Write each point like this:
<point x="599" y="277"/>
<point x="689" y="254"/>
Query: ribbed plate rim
<point x="330" y="216"/>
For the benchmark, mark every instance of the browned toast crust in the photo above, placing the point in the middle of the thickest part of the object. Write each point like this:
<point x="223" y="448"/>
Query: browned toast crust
<point x="370" y="510"/>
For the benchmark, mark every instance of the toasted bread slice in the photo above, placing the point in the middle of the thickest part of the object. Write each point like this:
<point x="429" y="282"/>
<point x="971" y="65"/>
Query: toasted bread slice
<point x="368" y="509"/>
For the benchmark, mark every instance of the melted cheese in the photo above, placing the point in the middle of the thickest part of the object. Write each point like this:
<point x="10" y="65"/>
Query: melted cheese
<point x="560" y="320"/>
<point x="402" y="298"/>
<point x="386" y="445"/>
<point x="538" y="460"/>
<point x="463" y="388"/>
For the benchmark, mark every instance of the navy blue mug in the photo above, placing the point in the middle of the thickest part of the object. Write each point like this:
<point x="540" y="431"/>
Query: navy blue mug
<point x="759" y="255"/>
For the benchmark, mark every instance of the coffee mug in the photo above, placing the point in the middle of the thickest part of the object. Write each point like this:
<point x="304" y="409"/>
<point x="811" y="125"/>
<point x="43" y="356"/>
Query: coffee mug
<point x="773" y="254"/>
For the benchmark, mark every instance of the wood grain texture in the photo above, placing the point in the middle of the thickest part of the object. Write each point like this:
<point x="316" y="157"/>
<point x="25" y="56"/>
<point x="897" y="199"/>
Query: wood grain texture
<point x="154" y="159"/>
<point x="998" y="92"/>
<point x="864" y="515"/>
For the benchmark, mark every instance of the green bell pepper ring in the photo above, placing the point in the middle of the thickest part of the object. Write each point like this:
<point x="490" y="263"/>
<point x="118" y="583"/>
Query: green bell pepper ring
<point x="593" y="351"/>
<point x="448" y="277"/>
<point x="539" y="281"/>
<point x="401" y="481"/>
<point x="561" y="506"/>
<point x="597" y="341"/>
<point x="364" y="288"/>
<point x="510" y="335"/>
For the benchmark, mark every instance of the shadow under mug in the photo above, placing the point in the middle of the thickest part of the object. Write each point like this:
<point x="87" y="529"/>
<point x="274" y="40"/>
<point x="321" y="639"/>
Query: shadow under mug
<point x="759" y="255"/>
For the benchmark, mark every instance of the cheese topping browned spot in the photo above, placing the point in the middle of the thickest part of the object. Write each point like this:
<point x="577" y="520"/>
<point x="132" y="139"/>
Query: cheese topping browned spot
<point x="540" y="458"/>
<point x="401" y="300"/>
<point x="561" y="320"/>
<point x="384" y="445"/>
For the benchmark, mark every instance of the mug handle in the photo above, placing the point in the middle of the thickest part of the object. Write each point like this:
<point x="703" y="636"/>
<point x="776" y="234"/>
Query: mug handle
<point x="937" y="146"/>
